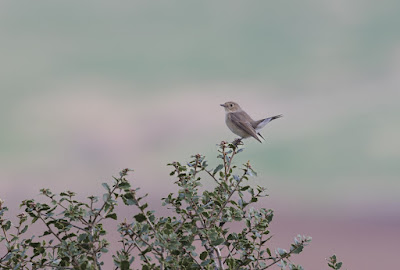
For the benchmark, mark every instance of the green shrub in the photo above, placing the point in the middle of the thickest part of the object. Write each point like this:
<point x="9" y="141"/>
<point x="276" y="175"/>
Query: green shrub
<point x="210" y="229"/>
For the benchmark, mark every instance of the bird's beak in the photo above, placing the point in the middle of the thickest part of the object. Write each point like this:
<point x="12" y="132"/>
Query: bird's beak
<point x="223" y="105"/>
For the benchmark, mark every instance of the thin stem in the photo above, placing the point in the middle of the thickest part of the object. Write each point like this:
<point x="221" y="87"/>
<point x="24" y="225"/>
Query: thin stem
<point x="161" y="254"/>
<point x="212" y="176"/>
<point x="48" y="226"/>
<point x="277" y="259"/>
<point x="8" y="242"/>
<point x="219" y="258"/>
<point x="110" y="192"/>
<point x="225" y="165"/>
<point x="150" y="246"/>
<point x="230" y="159"/>
<point x="143" y="255"/>
<point x="194" y="259"/>
<point x="259" y="251"/>
<point x="204" y="227"/>
<point x="230" y="195"/>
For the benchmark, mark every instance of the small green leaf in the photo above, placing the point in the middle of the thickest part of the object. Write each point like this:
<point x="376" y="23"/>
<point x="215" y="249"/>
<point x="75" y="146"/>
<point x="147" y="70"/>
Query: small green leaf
<point x="35" y="244"/>
<point x="297" y="249"/>
<point x="217" y="241"/>
<point x="218" y="168"/>
<point x="203" y="255"/>
<point x="140" y="217"/>
<point x="7" y="225"/>
<point x="105" y="185"/>
<point x="244" y="188"/>
<point x="281" y="251"/>
<point x="24" y="229"/>
<point x="206" y="262"/>
<point x="82" y="237"/>
<point x="124" y="265"/>
<point x="112" y="215"/>
<point x="144" y="206"/>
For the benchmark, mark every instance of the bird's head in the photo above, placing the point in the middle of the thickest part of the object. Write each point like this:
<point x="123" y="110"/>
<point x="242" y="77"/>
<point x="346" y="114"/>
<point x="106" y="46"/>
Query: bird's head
<point x="231" y="106"/>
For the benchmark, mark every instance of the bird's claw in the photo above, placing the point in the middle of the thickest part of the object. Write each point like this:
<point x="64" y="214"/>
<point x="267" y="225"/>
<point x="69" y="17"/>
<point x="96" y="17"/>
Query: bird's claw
<point x="237" y="141"/>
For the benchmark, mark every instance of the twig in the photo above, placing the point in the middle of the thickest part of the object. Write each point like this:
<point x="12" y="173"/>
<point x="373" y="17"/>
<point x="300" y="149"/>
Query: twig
<point x="219" y="258"/>
<point x="230" y="195"/>
<point x="212" y="176"/>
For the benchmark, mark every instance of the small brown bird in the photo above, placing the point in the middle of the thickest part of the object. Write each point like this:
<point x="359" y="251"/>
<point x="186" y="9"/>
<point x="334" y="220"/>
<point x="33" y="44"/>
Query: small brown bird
<point x="240" y="123"/>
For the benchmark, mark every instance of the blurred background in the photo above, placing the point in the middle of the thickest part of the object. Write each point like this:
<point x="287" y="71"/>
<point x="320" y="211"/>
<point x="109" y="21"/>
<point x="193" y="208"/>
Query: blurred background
<point x="88" y="88"/>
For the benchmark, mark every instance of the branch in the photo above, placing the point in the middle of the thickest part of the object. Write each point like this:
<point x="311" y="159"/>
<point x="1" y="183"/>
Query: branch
<point x="212" y="176"/>
<point x="230" y="195"/>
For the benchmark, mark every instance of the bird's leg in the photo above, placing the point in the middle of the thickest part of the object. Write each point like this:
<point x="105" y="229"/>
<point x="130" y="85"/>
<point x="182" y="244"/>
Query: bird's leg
<point x="237" y="141"/>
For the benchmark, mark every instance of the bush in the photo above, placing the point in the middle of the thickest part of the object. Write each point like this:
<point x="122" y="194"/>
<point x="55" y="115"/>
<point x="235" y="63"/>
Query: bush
<point x="210" y="229"/>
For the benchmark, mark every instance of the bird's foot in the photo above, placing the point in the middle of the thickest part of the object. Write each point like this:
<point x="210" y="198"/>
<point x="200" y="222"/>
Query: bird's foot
<point x="237" y="142"/>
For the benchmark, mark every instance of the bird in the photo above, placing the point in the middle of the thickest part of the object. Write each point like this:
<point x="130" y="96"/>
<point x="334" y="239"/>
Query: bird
<point x="240" y="123"/>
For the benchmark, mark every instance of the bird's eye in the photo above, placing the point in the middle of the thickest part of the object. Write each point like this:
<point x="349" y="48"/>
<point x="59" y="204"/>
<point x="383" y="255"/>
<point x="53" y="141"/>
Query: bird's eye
<point x="231" y="105"/>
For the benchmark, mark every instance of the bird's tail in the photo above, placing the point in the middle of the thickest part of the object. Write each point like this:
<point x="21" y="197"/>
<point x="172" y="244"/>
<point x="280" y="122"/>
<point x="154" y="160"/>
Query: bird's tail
<point x="261" y="123"/>
<point x="275" y="117"/>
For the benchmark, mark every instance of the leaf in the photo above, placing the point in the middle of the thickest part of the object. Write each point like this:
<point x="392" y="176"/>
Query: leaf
<point x="82" y="237"/>
<point x="244" y="188"/>
<point x="105" y="185"/>
<point x="124" y="265"/>
<point x="281" y="251"/>
<point x="124" y="185"/>
<point x="219" y="167"/>
<point x="113" y="216"/>
<point x="297" y="249"/>
<point x="203" y="255"/>
<point x="34" y="244"/>
<point x="206" y="262"/>
<point x="7" y="225"/>
<point x="232" y="236"/>
<point x="70" y="235"/>
<point x="140" y="217"/>
<point x="24" y="229"/>
<point x="253" y="172"/>
<point x="144" y="206"/>
<point x="217" y="241"/>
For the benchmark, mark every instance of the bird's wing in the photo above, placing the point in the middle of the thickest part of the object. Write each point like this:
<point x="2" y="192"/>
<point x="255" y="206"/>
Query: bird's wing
<point x="241" y="122"/>
<point x="257" y="125"/>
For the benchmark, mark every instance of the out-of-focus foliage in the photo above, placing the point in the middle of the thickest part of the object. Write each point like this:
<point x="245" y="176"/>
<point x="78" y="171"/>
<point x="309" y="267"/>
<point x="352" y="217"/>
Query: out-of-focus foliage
<point x="199" y="235"/>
